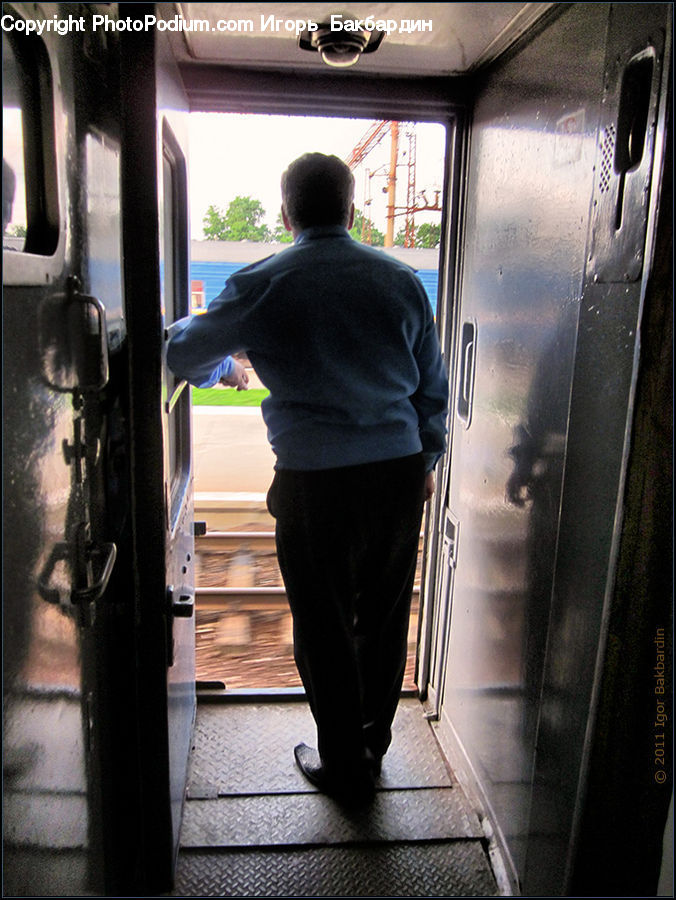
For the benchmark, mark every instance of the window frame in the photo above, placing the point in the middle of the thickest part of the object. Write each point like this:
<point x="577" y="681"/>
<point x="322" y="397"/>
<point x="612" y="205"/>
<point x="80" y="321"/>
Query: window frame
<point x="42" y="259"/>
<point x="176" y="302"/>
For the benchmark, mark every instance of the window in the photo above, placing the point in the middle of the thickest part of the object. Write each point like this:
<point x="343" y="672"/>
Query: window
<point x="13" y="172"/>
<point x="30" y="217"/>
<point x="175" y="301"/>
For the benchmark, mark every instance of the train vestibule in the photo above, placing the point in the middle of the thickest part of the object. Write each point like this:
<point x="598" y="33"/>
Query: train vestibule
<point x="544" y="645"/>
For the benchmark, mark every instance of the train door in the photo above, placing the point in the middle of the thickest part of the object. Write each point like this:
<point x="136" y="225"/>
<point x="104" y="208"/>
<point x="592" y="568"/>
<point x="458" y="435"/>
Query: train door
<point x="558" y="176"/>
<point x="62" y="331"/>
<point x="180" y="591"/>
<point x="154" y="202"/>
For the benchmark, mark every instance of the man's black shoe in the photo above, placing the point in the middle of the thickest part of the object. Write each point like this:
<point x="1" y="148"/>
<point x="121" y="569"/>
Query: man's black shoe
<point x="355" y="790"/>
<point x="310" y="764"/>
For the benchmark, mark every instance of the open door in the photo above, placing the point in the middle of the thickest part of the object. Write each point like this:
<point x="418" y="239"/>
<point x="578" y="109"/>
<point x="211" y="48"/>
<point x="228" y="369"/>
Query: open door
<point x="178" y="484"/>
<point x="156" y="251"/>
<point x="59" y="320"/>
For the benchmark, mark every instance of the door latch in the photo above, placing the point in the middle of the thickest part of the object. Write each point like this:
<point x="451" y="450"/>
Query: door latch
<point x="181" y="608"/>
<point x="97" y="559"/>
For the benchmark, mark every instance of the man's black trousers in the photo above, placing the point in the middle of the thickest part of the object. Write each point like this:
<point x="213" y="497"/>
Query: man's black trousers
<point x="347" y="543"/>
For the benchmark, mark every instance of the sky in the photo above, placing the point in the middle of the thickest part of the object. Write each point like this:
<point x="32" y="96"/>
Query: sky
<point x="244" y="155"/>
<point x="232" y="154"/>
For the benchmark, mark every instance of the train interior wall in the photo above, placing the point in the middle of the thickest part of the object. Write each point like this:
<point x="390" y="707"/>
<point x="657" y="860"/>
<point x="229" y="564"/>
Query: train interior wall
<point x="544" y="396"/>
<point x="548" y="553"/>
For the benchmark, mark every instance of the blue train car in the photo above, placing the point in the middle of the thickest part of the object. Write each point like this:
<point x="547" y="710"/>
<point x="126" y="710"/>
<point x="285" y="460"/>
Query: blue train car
<point x="213" y="262"/>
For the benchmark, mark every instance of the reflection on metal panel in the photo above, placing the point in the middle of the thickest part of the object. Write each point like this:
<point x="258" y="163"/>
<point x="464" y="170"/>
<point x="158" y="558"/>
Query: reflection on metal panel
<point x="531" y="171"/>
<point x="103" y="231"/>
<point x="600" y="411"/>
<point x="49" y="438"/>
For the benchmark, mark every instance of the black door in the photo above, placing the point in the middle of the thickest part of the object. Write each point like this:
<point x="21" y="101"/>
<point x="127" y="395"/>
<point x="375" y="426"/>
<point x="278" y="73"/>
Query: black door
<point x="154" y="199"/>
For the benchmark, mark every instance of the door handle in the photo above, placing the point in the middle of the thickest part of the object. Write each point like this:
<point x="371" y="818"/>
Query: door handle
<point x="105" y="554"/>
<point x="103" y="365"/>
<point x="631" y="128"/>
<point x="632" y="122"/>
<point x="100" y="557"/>
<point x="465" y="398"/>
<point x="467" y="373"/>
<point x="84" y="318"/>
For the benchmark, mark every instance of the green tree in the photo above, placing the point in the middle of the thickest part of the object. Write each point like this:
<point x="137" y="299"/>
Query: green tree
<point x="428" y="235"/>
<point x="240" y="222"/>
<point x="362" y="226"/>
<point x="213" y="224"/>
<point x="425" y="235"/>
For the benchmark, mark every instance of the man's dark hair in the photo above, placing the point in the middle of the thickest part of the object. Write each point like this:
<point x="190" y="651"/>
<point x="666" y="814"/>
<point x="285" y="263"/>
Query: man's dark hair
<point x="317" y="190"/>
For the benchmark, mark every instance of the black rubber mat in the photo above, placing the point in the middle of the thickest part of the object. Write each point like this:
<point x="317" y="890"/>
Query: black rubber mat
<point x="244" y="749"/>
<point x="279" y="819"/>
<point x="454" y="869"/>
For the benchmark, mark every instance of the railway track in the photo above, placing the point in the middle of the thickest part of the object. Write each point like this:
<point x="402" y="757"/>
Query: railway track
<point x="243" y="622"/>
<point x="249" y="599"/>
<point x="222" y="541"/>
<point x="237" y="556"/>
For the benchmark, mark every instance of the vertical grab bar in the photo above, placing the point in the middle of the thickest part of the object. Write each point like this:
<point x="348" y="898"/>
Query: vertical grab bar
<point x="466" y="375"/>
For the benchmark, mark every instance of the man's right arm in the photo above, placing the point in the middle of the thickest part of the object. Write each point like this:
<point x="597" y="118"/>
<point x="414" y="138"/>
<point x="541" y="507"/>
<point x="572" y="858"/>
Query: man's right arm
<point x="189" y="355"/>
<point x="200" y="347"/>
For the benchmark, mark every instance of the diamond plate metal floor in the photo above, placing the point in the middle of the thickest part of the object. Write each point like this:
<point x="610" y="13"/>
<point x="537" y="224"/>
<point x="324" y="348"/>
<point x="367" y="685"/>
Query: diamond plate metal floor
<point x="254" y="827"/>
<point x="248" y="749"/>
<point x="417" y="815"/>
<point x="456" y="869"/>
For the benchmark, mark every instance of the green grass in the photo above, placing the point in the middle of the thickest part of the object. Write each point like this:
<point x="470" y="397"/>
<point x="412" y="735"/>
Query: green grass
<point x="228" y="397"/>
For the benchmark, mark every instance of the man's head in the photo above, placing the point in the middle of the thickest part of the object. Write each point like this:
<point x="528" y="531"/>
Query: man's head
<point x="317" y="190"/>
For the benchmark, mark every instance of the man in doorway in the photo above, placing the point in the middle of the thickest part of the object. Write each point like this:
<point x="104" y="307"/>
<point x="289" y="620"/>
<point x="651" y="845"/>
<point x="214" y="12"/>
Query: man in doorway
<point x="344" y="338"/>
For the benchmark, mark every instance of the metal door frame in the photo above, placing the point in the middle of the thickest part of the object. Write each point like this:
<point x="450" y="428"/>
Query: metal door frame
<point x="439" y="556"/>
<point x="146" y="78"/>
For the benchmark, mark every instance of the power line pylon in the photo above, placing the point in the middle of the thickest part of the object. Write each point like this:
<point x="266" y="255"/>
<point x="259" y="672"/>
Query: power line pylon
<point x="373" y="136"/>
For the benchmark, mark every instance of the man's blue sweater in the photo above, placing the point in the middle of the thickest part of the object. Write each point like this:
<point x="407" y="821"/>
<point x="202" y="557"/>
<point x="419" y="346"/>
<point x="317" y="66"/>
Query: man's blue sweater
<point x="344" y="338"/>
